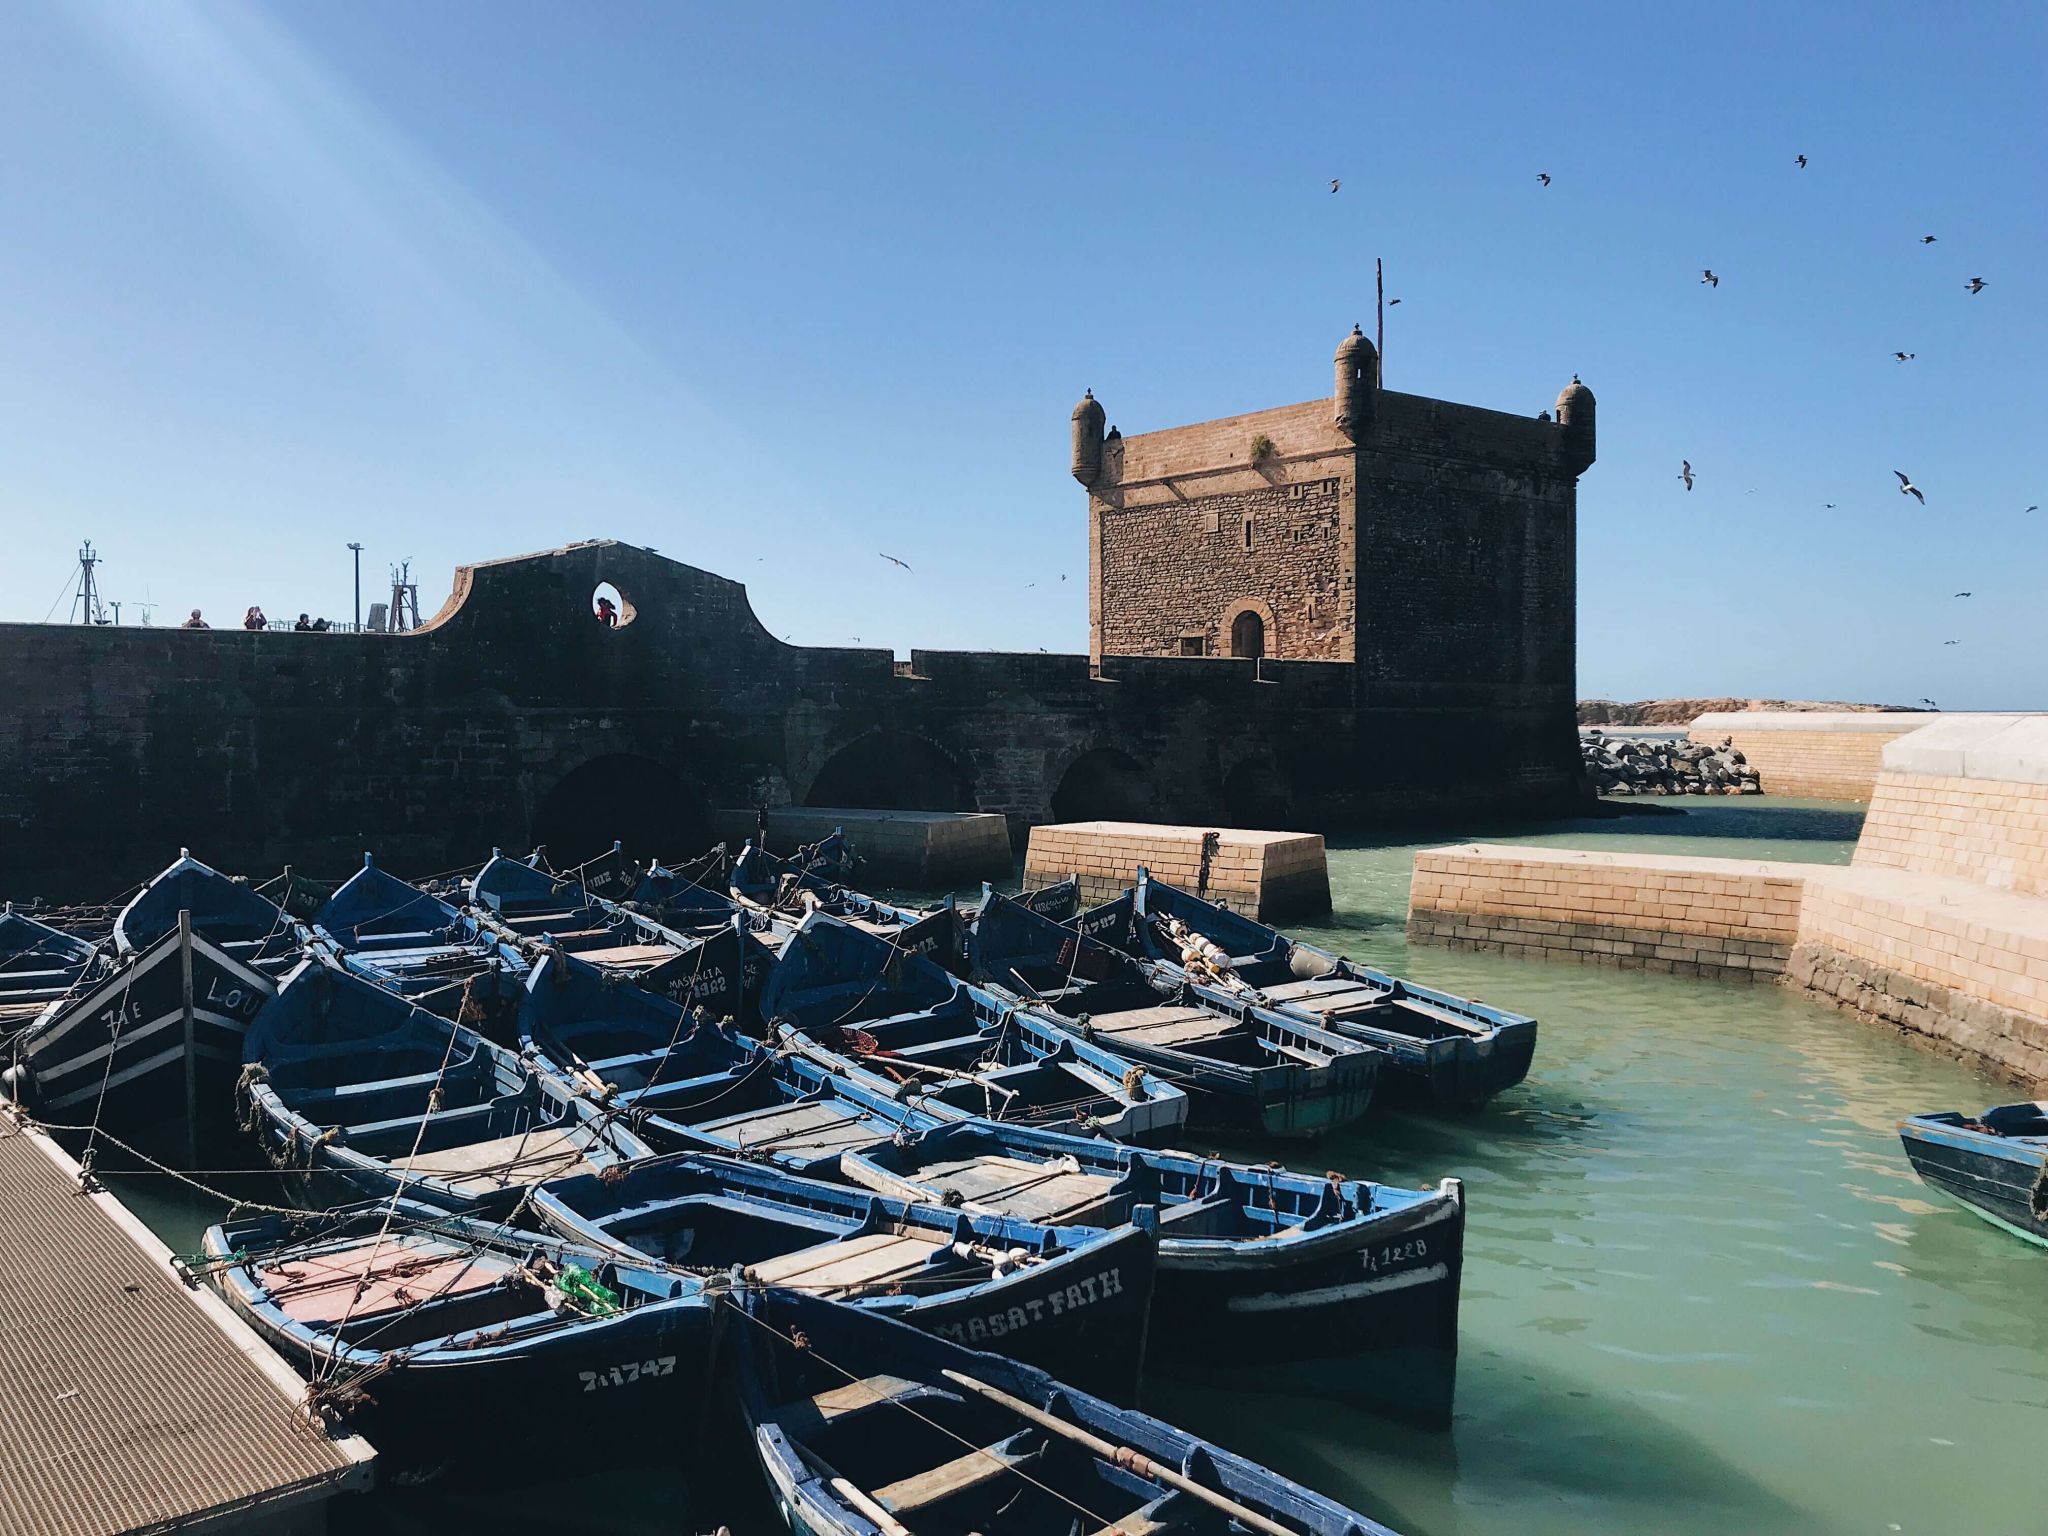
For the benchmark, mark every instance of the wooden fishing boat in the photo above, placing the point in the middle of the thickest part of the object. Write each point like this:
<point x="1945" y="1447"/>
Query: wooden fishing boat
<point x="39" y="965"/>
<point x="618" y="1040"/>
<point x="759" y="875"/>
<point x="422" y="947"/>
<point x="538" y="912"/>
<point x="355" y="1087"/>
<point x="1073" y="1298"/>
<point x="446" y="1339"/>
<point x="1994" y="1165"/>
<point x="147" y="1046"/>
<point x="1440" y="1047"/>
<point x="867" y="1428"/>
<point x="1342" y="1288"/>
<point x="1255" y="1070"/>
<point x="952" y="1048"/>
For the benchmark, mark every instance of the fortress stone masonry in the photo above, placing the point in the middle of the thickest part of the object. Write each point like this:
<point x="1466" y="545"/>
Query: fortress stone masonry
<point x="1331" y="614"/>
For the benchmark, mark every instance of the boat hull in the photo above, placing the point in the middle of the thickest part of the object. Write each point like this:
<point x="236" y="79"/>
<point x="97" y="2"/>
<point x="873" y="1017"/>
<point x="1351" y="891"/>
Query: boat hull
<point x="1989" y="1175"/>
<point x="1370" y="1320"/>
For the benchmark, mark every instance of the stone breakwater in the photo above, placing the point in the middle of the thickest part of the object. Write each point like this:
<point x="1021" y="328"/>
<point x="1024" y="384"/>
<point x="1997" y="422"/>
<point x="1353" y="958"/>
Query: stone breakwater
<point x="1627" y="765"/>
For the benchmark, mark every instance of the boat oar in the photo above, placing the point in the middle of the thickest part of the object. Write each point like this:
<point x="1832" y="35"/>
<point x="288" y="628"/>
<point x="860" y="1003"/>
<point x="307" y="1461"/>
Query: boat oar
<point x="885" y="1522"/>
<point x="1123" y="1456"/>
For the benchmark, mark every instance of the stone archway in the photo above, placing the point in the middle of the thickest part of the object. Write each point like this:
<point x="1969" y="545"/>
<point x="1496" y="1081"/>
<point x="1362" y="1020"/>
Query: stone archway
<point x="1249" y="631"/>
<point x="1103" y="784"/>
<point x="892" y="771"/>
<point x="625" y="798"/>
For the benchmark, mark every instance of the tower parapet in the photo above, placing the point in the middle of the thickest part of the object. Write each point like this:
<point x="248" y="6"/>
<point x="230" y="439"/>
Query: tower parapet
<point x="1575" y="421"/>
<point x="1088" y="419"/>
<point x="1358" y="385"/>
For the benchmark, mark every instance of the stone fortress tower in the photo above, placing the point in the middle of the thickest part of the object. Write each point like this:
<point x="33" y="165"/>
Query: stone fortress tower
<point x="1426" y="542"/>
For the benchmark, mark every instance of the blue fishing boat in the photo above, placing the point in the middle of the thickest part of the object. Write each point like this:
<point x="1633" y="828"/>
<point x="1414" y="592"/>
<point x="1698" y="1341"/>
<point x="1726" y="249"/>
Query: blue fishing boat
<point x="538" y="913"/>
<point x="1073" y="1298"/>
<point x="448" y="1340"/>
<point x="423" y="947"/>
<point x="351" y="1086"/>
<point x="1340" y="1288"/>
<point x="39" y="965"/>
<point x="1994" y="1165"/>
<point x="885" y="1009"/>
<point x="618" y="1040"/>
<point x="1440" y="1047"/>
<point x="867" y="1428"/>
<point x="1254" y="1070"/>
<point x="759" y="875"/>
<point x="148" y="1044"/>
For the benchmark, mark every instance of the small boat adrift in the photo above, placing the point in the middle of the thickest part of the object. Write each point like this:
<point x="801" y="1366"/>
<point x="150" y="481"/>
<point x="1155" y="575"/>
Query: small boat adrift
<point x="1439" y="1047"/>
<point x="1072" y="1298"/>
<point x="445" y="1339"/>
<point x="863" y="1426"/>
<point x="1246" y="1069"/>
<point x="356" y="1087"/>
<point x="860" y="1003"/>
<point x="1994" y="1165"/>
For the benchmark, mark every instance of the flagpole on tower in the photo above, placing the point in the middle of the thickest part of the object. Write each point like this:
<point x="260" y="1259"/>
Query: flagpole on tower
<point x="1379" y="277"/>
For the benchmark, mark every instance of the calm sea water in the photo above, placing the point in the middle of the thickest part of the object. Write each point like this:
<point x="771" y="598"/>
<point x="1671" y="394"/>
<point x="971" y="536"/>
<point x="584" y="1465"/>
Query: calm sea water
<point x="1703" y="1290"/>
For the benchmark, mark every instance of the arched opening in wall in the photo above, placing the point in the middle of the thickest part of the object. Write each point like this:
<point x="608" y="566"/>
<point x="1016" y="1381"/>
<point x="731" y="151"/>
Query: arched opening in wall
<point x="622" y="798"/>
<point x="1248" y="635"/>
<point x="608" y="605"/>
<point x="892" y="771"/>
<point x="1104" y="784"/>
<point x="1256" y="796"/>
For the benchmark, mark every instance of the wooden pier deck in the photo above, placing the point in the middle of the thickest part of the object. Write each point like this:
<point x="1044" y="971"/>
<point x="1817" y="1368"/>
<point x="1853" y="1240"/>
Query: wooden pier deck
<point x="129" y="1401"/>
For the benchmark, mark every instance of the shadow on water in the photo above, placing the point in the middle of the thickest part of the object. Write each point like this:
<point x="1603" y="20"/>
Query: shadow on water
<point x="1563" y="1453"/>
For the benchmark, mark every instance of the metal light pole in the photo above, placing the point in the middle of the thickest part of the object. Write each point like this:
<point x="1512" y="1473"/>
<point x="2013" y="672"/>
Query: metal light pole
<point x="359" y="585"/>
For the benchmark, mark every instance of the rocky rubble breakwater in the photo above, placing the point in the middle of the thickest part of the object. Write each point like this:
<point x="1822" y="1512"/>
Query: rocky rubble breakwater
<point x="1624" y="765"/>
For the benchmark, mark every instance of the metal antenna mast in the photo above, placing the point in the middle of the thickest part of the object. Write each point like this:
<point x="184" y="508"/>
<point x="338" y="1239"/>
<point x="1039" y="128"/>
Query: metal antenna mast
<point x="86" y="607"/>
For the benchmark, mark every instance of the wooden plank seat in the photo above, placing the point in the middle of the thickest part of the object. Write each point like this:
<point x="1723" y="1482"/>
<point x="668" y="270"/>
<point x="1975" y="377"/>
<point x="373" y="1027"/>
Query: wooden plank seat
<point x="1327" y="994"/>
<point x="976" y="1469"/>
<point x="1167" y="1027"/>
<point x="371" y="1277"/>
<point x="854" y="1266"/>
<point x="636" y="955"/>
<point x="483" y="1167"/>
<point x="815" y="1129"/>
<point x="858" y="1398"/>
<point x="1042" y="1192"/>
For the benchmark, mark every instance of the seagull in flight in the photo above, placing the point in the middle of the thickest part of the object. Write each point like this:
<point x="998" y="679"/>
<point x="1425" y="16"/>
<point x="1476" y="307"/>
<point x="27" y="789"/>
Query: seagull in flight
<point x="1802" y="161"/>
<point x="1335" y="183"/>
<point x="1831" y="506"/>
<point x="1962" y="594"/>
<point x="1904" y="357"/>
<point x="1951" y="642"/>
<point x="1707" y="276"/>
<point x="1975" y="285"/>
<point x="894" y="561"/>
<point x="1908" y="488"/>
<point x="1930" y="703"/>
<point x="1392" y="302"/>
<point x="1544" y="177"/>
<point x="2035" y="507"/>
<point x="1685" y="472"/>
<point x="1927" y="239"/>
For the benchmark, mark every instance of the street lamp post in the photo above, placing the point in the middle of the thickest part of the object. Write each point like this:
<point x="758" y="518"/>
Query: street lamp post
<point x="359" y="584"/>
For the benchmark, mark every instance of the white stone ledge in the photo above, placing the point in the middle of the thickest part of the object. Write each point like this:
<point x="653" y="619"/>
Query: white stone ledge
<point x="2009" y="748"/>
<point x="1850" y="722"/>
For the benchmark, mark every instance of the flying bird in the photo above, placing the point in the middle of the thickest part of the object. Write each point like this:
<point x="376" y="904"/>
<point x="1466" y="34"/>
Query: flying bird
<point x="1951" y="642"/>
<point x="1029" y="585"/>
<point x="1975" y="285"/>
<point x="1707" y="276"/>
<point x="1392" y="302"/>
<point x="894" y="561"/>
<point x="1802" y="161"/>
<point x="1544" y="177"/>
<point x="1908" y="488"/>
<point x="1335" y="183"/>
<point x="1831" y="506"/>
<point x="1930" y="703"/>
<point x="1685" y="472"/>
<point x="2035" y="508"/>
<point x="1905" y="357"/>
<point x="1962" y="594"/>
<point x="1927" y="239"/>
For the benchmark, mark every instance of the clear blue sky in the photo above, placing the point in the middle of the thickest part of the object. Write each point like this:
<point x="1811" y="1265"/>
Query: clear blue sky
<point x="776" y="289"/>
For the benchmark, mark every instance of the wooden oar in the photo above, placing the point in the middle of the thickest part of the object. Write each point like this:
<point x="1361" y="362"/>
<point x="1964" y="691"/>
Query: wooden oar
<point x="1123" y="1456"/>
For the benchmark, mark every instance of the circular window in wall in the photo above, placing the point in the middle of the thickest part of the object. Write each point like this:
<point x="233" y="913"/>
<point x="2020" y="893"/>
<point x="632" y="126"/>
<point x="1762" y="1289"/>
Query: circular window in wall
<point x="609" y="607"/>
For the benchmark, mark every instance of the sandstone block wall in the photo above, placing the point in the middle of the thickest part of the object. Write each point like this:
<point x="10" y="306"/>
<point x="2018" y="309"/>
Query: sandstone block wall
<point x="1811" y="753"/>
<point x="1274" y="876"/>
<point x="1966" y="797"/>
<point x="1683" y="916"/>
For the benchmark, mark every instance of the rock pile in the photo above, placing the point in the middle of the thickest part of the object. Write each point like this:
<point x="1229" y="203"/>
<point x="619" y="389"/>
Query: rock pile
<point x="1627" y="765"/>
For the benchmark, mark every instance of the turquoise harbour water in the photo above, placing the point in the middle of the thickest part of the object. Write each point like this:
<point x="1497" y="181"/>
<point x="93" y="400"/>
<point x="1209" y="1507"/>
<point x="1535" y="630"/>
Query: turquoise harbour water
<point x="1703" y="1290"/>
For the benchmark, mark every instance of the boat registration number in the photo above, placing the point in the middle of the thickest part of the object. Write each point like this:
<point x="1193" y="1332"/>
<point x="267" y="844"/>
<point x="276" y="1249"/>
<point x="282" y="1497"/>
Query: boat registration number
<point x="628" y="1373"/>
<point x="1396" y="1255"/>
